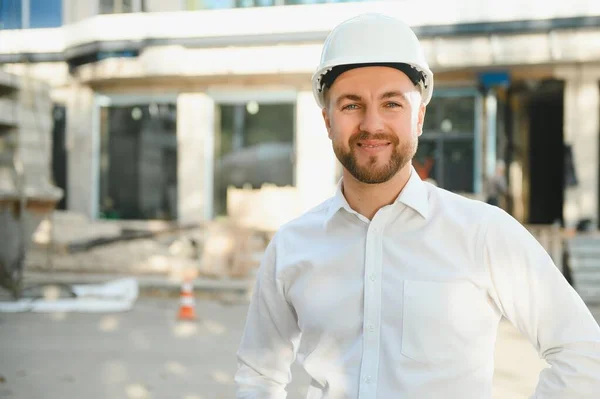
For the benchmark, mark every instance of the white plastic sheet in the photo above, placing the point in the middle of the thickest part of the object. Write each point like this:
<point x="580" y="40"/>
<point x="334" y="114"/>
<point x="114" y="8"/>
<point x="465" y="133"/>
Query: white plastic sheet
<point x="114" y="296"/>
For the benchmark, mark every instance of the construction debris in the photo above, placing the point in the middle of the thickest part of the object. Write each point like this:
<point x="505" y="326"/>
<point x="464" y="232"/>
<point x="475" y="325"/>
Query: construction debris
<point x="218" y="249"/>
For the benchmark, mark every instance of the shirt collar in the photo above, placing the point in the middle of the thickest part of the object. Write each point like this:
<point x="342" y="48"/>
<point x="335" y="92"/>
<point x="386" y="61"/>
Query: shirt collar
<point x="336" y="203"/>
<point x="414" y="195"/>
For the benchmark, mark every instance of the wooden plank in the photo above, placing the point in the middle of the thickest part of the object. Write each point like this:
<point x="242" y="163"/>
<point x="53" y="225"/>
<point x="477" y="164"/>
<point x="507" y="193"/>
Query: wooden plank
<point x="587" y="263"/>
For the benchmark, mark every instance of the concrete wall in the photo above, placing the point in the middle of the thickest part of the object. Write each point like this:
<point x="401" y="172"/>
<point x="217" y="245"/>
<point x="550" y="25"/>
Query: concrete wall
<point x="27" y="109"/>
<point x="35" y="131"/>
<point x="8" y="116"/>
<point x="582" y="132"/>
<point x="55" y="74"/>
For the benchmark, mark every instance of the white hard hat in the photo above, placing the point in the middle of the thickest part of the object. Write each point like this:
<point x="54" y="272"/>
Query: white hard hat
<point x="373" y="39"/>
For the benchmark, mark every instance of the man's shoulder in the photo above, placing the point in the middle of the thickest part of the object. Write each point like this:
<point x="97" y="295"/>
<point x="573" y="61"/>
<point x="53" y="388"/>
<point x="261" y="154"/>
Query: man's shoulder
<point x="309" y="221"/>
<point x="473" y="212"/>
<point x="455" y="200"/>
<point x="462" y="207"/>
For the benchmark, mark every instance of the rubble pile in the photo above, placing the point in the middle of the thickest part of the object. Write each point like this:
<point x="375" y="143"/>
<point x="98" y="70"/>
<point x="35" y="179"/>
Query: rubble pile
<point x="218" y="249"/>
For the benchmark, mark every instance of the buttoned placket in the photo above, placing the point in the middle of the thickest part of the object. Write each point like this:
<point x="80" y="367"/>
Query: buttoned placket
<point x="372" y="307"/>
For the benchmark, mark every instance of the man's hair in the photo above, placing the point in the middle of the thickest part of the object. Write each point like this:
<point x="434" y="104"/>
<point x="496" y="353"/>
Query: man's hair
<point x="413" y="73"/>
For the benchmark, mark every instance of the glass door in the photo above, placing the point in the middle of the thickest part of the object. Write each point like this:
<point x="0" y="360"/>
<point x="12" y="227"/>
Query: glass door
<point x="448" y="148"/>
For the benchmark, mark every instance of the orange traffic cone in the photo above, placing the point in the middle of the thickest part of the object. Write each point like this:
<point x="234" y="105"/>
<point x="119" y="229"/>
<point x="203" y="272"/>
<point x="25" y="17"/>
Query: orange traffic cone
<point x="187" y="303"/>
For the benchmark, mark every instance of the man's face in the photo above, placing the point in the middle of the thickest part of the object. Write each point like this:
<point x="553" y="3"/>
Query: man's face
<point x="374" y="116"/>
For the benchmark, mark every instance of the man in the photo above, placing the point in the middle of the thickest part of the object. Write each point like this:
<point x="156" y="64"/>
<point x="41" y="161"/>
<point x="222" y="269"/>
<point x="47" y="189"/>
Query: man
<point x="394" y="288"/>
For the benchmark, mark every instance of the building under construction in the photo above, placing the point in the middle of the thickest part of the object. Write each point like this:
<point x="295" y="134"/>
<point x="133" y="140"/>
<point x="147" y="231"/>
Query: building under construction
<point x="161" y="106"/>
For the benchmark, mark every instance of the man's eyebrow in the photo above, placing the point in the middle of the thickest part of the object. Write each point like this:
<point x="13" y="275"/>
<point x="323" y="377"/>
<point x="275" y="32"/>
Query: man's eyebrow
<point x="352" y="97"/>
<point x="384" y="96"/>
<point x="391" y="94"/>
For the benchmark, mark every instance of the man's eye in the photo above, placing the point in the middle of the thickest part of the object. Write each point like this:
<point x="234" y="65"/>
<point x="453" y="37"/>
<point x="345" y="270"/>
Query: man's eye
<point x="350" y="107"/>
<point x="393" y="105"/>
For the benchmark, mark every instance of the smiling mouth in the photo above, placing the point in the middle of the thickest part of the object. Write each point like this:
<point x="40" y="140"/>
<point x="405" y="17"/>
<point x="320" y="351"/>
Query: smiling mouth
<point x="366" y="145"/>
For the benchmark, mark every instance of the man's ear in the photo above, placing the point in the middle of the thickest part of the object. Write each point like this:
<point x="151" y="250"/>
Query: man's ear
<point x="327" y="121"/>
<point x="421" y="119"/>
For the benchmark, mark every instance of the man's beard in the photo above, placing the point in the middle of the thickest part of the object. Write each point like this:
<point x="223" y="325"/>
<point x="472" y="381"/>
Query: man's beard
<point x="370" y="172"/>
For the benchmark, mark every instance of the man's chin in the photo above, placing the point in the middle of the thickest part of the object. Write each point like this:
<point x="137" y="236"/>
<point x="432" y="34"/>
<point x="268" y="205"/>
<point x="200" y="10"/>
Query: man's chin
<point x="374" y="180"/>
<point x="374" y="162"/>
<point x="373" y="176"/>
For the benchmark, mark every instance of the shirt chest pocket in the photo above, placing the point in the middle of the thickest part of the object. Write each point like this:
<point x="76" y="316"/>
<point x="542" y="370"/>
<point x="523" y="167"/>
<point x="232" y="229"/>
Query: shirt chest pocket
<point x="447" y="322"/>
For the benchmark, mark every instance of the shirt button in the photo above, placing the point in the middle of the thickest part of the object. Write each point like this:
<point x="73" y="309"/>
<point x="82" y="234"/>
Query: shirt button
<point x="372" y="277"/>
<point x="368" y="379"/>
<point x="371" y="327"/>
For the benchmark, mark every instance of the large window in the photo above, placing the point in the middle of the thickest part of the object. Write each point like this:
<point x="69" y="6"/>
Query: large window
<point x="294" y="2"/>
<point x="255" y="146"/>
<point x="220" y="4"/>
<point x="45" y="13"/>
<point x="215" y="4"/>
<point x="138" y="161"/>
<point x="23" y="14"/>
<point x="447" y="148"/>
<point x="11" y="14"/>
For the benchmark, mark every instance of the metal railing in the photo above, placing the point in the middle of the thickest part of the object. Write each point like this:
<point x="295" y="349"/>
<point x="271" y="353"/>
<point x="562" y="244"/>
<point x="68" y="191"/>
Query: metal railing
<point x="584" y="265"/>
<point x="576" y="255"/>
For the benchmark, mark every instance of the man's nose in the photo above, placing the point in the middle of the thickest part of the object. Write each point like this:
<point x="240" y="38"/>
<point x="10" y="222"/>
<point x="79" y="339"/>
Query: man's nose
<point x="372" y="121"/>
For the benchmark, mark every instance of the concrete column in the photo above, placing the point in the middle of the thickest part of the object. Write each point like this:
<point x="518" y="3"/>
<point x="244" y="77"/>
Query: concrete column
<point x="582" y="132"/>
<point x="315" y="160"/>
<point x="491" y="120"/>
<point x="34" y="112"/>
<point x="76" y="10"/>
<point x="195" y="156"/>
<point x="164" y="5"/>
<point x="83" y="151"/>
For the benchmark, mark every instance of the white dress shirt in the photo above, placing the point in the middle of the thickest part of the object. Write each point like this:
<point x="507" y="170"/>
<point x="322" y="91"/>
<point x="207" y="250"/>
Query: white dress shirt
<point x="407" y="305"/>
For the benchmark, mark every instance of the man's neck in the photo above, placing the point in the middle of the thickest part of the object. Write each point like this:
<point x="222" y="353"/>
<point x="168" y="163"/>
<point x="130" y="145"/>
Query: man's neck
<point x="367" y="199"/>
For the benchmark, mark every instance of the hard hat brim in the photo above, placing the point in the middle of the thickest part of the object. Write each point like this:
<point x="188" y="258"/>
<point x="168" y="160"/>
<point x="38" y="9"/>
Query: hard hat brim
<point x="319" y="75"/>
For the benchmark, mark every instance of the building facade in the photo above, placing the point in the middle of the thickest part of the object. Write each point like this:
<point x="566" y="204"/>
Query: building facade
<point x="166" y="104"/>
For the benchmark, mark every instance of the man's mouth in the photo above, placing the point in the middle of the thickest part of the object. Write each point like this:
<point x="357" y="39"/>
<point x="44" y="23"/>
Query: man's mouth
<point x="371" y="144"/>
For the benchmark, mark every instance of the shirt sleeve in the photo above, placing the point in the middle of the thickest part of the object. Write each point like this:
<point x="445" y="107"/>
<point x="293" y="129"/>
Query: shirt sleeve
<point x="270" y="337"/>
<point x="536" y="298"/>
